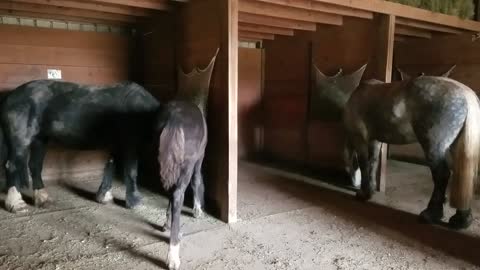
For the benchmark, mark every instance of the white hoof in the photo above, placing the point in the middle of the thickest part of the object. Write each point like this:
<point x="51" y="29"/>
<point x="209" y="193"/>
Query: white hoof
<point x="40" y="197"/>
<point x="357" y="178"/>
<point x="14" y="202"/>
<point x="174" y="257"/>
<point x="106" y="198"/>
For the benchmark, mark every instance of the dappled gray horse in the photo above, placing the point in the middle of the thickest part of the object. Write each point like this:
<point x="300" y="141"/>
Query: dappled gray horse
<point x="117" y="118"/>
<point x="441" y="114"/>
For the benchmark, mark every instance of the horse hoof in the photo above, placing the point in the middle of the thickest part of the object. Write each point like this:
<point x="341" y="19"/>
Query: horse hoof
<point x="197" y="213"/>
<point x="363" y="196"/>
<point x="133" y="201"/>
<point x="174" y="257"/>
<point x="40" y="198"/>
<point x="431" y="216"/>
<point x="461" y="220"/>
<point x="105" y="197"/>
<point x="14" y="202"/>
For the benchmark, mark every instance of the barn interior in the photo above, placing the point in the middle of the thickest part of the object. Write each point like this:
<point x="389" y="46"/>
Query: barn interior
<point x="273" y="170"/>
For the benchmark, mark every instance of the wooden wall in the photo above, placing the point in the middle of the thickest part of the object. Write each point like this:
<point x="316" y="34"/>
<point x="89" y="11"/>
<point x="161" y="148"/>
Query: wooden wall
<point x="434" y="57"/>
<point x="250" y="69"/>
<point x="85" y="57"/>
<point x="290" y="134"/>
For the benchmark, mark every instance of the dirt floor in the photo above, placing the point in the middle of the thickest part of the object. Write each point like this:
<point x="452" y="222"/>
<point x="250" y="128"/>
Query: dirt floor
<point x="283" y="224"/>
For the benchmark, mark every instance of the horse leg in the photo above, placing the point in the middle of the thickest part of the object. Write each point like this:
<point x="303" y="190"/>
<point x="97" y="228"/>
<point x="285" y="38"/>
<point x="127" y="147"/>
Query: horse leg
<point x="198" y="190"/>
<point x="130" y="166"/>
<point x="38" y="150"/>
<point x="368" y="156"/>
<point x="440" y="174"/>
<point x="352" y="166"/>
<point x="168" y="217"/>
<point x="17" y="173"/>
<point x="104" y="193"/>
<point x="177" y="204"/>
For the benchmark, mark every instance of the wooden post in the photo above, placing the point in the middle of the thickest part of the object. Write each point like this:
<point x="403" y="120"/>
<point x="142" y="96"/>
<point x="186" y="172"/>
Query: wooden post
<point x="383" y="61"/>
<point x="229" y="212"/>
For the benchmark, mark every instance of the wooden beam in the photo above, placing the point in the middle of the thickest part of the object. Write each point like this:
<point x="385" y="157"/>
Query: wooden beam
<point x="412" y="32"/>
<point x="109" y="8"/>
<point x="399" y="10"/>
<point x="265" y="29"/>
<point x="231" y="31"/>
<point x="332" y="9"/>
<point x="285" y="12"/>
<point x="255" y="35"/>
<point x="59" y="17"/>
<point x="276" y="22"/>
<point x="79" y="13"/>
<point x="383" y="63"/>
<point x="427" y="26"/>
<point x="148" y="4"/>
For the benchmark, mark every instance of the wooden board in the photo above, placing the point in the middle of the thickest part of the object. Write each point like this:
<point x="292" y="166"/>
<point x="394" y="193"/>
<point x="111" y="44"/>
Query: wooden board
<point x="249" y="101"/>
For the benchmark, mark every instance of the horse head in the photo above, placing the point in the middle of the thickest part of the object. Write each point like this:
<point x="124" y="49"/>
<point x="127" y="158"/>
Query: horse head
<point x="331" y="93"/>
<point x="404" y="76"/>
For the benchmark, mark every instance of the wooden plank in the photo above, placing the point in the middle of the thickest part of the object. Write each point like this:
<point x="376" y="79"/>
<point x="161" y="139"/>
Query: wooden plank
<point x="412" y="32"/>
<point x="149" y="4"/>
<point x="231" y="27"/>
<point x="399" y="10"/>
<point x="66" y="11"/>
<point x="276" y="22"/>
<point x="285" y="12"/>
<point x="59" y="17"/>
<point x="427" y="26"/>
<point x="383" y="71"/>
<point x="255" y="35"/>
<point x="43" y="55"/>
<point x="45" y="37"/>
<point x="265" y="29"/>
<point x="109" y="8"/>
<point x="332" y="9"/>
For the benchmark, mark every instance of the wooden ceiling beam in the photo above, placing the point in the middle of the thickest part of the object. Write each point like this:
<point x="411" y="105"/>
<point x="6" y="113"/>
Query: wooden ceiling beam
<point x="265" y="29"/>
<point x="286" y="12"/>
<point x="69" y="12"/>
<point x="322" y="7"/>
<point x="276" y="22"/>
<point x="59" y="17"/>
<point x="404" y="11"/>
<point x="102" y="7"/>
<point x="255" y="35"/>
<point x="148" y="4"/>
<point x="427" y="26"/>
<point x="412" y="32"/>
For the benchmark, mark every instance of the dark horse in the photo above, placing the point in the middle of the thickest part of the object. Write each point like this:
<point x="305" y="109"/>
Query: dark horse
<point x="182" y="142"/>
<point x="441" y="114"/>
<point x="116" y="118"/>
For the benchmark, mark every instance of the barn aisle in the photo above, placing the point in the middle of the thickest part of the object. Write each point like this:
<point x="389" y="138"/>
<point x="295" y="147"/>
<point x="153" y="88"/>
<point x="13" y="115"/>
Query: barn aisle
<point x="283" y="225"/>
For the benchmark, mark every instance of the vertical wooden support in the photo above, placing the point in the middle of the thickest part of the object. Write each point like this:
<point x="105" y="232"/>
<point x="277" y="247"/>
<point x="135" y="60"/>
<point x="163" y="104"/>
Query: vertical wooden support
<point x="383" y="61"/>
<point x="229" y="213"/>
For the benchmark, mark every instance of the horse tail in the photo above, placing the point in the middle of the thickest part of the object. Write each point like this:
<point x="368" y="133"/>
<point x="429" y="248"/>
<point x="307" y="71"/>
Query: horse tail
<point x="466" y="155"/>
<point x="171" y="152"/>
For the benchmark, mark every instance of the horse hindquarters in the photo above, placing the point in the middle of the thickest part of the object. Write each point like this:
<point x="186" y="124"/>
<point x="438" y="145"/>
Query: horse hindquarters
<point x="465" y="163"/>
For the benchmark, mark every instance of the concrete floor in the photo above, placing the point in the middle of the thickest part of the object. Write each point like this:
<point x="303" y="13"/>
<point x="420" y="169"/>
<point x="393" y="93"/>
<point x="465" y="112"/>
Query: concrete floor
<point x="283" y="225"/>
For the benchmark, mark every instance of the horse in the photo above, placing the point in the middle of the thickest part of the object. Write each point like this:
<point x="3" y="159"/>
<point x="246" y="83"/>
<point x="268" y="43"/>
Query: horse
<point x="182" y="141"/>
<point x="116" y="118"/>
<point x="443" y="115"/>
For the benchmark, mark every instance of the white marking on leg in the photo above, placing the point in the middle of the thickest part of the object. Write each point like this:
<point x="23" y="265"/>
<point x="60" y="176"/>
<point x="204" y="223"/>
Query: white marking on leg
<point x="106" y="198"/>
<point x="14" y="202"/>
<point x="357" y="177"/>
<point x="197" y="209"/>
<point x="174" y="257"/>
<point x="40" y="197"/>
